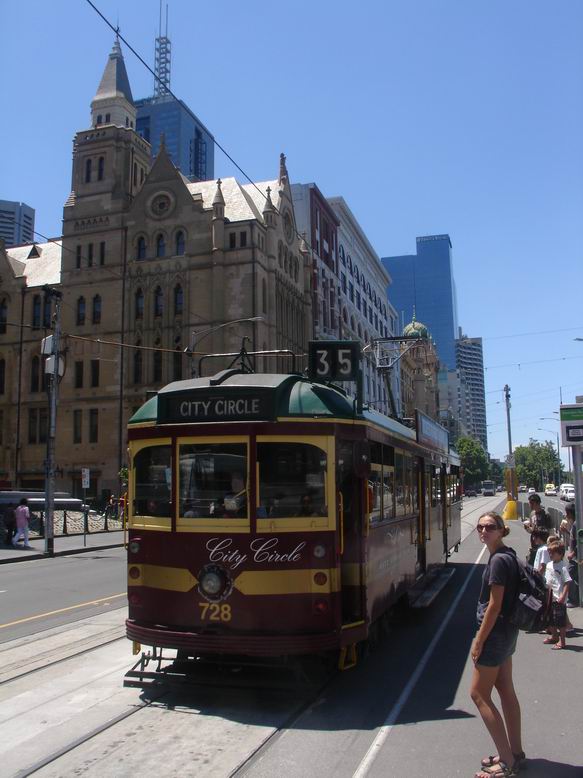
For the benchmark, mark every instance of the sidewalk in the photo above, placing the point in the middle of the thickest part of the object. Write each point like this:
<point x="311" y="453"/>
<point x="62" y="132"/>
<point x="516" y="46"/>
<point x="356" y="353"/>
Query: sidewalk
<point x="63" y="545"/>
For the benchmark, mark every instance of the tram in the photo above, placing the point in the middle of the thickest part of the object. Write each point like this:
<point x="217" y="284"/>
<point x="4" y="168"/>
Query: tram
<point x="272" y="515"/>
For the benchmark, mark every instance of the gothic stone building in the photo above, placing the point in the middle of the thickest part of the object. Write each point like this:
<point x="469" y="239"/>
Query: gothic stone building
<point x="149" y="260"/>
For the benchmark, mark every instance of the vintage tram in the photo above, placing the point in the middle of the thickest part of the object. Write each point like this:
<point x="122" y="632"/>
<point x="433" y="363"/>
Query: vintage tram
<point x="269" y="515"/>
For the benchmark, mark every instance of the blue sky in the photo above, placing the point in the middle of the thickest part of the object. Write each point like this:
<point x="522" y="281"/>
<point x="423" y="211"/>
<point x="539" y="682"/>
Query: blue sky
<point x="428" y="116"/>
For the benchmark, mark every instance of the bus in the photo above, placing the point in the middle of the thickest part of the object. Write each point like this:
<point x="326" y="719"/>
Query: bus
<point x="488" y="488"/>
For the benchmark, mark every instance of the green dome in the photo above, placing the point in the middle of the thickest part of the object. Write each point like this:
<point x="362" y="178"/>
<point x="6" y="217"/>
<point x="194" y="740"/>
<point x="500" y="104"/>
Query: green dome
<point x="416" y="328"/>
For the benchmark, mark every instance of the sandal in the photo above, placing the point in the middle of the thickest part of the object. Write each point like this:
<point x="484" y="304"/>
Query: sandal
<point x="519" y="760"/>
<point x="550" y="640"/>
<point x="558" y="647"/>
<point x="499" y="768"/>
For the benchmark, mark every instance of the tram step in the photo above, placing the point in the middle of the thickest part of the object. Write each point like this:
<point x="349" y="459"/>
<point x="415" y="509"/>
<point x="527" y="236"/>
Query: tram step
<point x="423" y="596"/>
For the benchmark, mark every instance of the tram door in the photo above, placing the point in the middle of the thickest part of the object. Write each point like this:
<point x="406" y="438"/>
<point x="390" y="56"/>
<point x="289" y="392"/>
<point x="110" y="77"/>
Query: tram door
<point x="351" y="511"/>
<point x="424" y="481"/>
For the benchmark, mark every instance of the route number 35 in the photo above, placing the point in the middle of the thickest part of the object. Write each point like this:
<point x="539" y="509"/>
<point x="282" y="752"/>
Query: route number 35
<point x="213" y="611"/>
<point x="334" y="360"/>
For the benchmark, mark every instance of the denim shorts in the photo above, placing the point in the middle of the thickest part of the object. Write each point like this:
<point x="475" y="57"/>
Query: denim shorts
<point x="499" y="645"/>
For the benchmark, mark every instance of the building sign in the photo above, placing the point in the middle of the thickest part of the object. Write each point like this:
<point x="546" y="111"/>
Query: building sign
<point x="431" y="434"/>
<point x="572" y="424"/>
<point x="199" y="406"/>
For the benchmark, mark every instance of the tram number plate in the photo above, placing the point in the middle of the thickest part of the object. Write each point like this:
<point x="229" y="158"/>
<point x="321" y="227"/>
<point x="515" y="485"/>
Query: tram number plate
<point x="214" y="611"/>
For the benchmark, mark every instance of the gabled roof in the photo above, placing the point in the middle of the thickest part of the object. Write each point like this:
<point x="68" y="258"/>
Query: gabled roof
<point x="241" y="202"/>
<point x="114" y="82"/>
<point x="38" y="263"/>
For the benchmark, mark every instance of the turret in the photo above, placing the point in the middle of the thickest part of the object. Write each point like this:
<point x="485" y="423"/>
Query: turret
<point x="113" y="102"/>
<point x="218" y="228"/>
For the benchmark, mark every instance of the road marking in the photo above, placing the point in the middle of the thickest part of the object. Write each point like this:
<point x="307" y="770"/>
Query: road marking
<point x="383" y="733"/>
<point x="62" y="610"/>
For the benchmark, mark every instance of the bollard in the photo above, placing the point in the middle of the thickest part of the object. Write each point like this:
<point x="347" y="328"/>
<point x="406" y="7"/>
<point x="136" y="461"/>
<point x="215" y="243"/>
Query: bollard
<point x="64" y="522"/>
<point x="106" y="516"/>
<point x="510" y="512"/>
<point x="85" y="525"/>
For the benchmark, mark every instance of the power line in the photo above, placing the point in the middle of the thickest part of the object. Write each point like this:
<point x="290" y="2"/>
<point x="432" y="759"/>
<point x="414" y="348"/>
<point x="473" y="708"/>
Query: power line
<point x="525" y="334"/>
<point x="532" y="362"/>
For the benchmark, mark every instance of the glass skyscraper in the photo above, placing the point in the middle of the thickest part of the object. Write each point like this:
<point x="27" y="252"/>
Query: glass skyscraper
<point x="423" y="284"/>
<point x="188" y="142"/>
<point x="16" y="222"/>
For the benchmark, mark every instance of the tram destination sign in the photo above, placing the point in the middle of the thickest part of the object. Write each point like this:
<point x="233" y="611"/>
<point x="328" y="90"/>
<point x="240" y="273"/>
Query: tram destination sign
<point x="199" y="407"/>
<point x="431" y="434"/>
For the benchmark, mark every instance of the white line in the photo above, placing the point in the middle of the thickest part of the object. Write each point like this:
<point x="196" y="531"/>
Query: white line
<point x="383" y="733"/>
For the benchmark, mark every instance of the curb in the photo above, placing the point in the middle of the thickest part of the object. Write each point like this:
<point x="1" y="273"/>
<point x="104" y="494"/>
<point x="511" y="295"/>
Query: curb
<point x="66" y="552"/>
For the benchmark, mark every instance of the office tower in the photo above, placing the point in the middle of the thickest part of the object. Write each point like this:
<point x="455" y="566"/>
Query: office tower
<point x="188" y="142"/>
<point x="16" y="222"/>
<point x="471" y="368"/>
<point x="423" y="286"/>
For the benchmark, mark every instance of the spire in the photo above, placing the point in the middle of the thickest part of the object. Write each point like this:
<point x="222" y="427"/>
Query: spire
<point x="218" y="199"/>
<point x="283" y="177"/>
<point x="114" y="82"/>
<point x="113" y="102"/>
<point x="268" y="203"/>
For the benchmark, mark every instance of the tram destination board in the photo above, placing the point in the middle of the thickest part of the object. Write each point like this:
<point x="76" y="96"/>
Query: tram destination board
<point x="200" y="407"/>
<point x="334" y="360"/>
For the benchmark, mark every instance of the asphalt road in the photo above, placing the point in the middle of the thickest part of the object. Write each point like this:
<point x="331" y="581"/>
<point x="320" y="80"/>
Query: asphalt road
<point x="44" y="593"/>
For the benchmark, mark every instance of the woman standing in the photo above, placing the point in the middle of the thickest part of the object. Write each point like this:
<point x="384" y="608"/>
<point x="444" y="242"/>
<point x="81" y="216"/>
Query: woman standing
<point x="492" y="650"/>
<point x="22" y="517"/>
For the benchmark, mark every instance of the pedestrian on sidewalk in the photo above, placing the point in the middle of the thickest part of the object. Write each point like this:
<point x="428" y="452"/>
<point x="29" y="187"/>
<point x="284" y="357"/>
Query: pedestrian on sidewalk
<point x="492" y="651"/>
<point x="9" y="524"/>
<point x="22" y="516"/>
<point x="572" y="556"/>
<point x="538" y="519"/>
<point x="539" y="538"/>
<point x="558" y="579"/>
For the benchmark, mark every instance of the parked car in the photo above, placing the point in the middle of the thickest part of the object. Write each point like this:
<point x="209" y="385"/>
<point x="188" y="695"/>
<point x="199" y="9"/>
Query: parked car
<point x="499" y="488"/>
<point x="531" y="490"/>
<point x="550" y="490"/>
<point x="522" y="487"/>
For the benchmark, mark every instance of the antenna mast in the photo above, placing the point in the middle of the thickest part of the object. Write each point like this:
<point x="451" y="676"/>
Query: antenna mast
<point x="162" y="59"/>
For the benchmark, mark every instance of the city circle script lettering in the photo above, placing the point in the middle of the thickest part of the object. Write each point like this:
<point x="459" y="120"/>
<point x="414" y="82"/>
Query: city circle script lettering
<point x="221" y="407"/>
<point x="261" y="551"/>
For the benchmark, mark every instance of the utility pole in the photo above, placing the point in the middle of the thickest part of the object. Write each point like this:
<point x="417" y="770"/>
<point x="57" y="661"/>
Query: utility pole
<point x="510" y="512"/>
<point x="52" y="370"/>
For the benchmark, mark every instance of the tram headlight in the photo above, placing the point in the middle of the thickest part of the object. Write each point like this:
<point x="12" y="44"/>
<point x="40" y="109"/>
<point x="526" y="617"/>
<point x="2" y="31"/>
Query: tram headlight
<point x="319" y="551"/>
<point x="214" y="583"/>
<point x="211" y="583"/>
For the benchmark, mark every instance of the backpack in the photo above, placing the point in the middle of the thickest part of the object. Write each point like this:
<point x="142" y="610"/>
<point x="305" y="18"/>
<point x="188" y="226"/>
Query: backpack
<point x="530" y="607"/>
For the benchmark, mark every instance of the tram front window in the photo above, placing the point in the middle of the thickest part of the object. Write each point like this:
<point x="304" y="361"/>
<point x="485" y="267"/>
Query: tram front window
<point x="213" y="481"/>
<point x="153" y="468"/>
<point x="292" y="480"/>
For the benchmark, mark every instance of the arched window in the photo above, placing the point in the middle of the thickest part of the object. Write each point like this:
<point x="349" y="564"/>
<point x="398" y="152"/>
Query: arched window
<point x="87" y="171"/>
<point x="35" y="374"/>
<point x="178" y="300"/>
<point x="3" y="315"/>
<point x="36" y="311"/>
<point x="107" y="118"/>
<point x="264" y="295"/>
<point x="96" y="318"/>
<point x="177" y="364"/>
<point x="138" y="364"/>
<point x="81" y="311"/>
<point x="158" y="302"/>
<point x="141" y="248"/>
<point x="180" y="244"/>
<point x="2" y="376"/>
<point x="100" y="168"/>
<point x="139" y="304"/>
<point x="160" y="246"/>
<point x="157" y="364"/>
<point x="99" y="118"/>
<point x="47" y="312"/>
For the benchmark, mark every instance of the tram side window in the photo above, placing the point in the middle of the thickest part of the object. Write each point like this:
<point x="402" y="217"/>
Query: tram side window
<point x="153" y="479"/>
<point x="213" y="481"/>
<point x="399" y="485"/>
<point x="292" y="480"/>
<point x="375" y="483"/>
<point x="435" y="490"/>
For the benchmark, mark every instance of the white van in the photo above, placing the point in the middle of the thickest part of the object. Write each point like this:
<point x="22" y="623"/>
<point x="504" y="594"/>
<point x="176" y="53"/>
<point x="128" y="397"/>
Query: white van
<point x="563" y="490"/>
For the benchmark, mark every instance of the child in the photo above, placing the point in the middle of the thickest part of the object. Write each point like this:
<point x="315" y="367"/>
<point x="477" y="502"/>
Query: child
<point x="539" y="538"/>
<point x="558" y="579"/>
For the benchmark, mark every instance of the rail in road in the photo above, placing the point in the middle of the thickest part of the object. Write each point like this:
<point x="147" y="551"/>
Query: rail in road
<point x="404" y="711"/>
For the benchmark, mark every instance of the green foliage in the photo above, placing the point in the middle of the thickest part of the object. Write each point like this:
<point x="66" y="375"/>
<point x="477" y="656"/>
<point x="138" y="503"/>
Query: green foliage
<point x="474" y="460"/>
<point x="496" y="472"/>
<point x="537" y="464"/>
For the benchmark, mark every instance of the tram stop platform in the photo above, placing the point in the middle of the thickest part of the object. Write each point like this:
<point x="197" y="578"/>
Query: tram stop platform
<point x="63" y="545"/>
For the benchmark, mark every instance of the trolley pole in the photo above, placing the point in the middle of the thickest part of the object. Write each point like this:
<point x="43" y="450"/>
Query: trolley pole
<point x="52" y="369"/>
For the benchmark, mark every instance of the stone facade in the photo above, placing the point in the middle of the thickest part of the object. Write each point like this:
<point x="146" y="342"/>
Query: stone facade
<point x="154" y="271"/>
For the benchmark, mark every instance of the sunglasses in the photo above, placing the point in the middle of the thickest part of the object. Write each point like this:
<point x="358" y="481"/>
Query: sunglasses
<point x="486" y="527"/>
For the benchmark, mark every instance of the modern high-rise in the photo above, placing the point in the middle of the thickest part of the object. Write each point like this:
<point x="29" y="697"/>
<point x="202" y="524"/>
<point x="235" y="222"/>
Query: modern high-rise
<point x="471" y="368"/>
<point x="16" y="223"/>
<point x="189" y="144"/>
<point x="423" y="286"/>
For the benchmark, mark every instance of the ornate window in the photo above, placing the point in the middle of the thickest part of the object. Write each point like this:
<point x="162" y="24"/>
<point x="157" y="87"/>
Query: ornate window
<point x="178" y="300"/>
<point x="36" y="311"/>
<point x="179" y="243"/>
<point x="81" y="311"/>
<point x="139" y="305"/>
<point x="88" y="165"/>
<point x="160" y="246"/>
<point x="96" y="318"/>
<point x="141" y="248"/>
<point x="100" y="168"/>
<point x="158" y="301"/>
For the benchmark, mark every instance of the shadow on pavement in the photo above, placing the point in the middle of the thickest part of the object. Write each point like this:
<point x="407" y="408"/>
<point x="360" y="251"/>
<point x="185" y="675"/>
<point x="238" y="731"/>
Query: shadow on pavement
<point x="544" y="768"/>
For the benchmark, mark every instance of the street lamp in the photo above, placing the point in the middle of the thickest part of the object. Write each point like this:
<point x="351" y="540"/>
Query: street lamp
<point x="541" y="429"/>
<point x="196" y="337"/>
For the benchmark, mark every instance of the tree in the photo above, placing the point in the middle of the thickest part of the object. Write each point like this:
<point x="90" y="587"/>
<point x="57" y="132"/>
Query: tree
<point x="474" y="460"/>
<point x="536" y="464"/>
<point x="496" y="472"/>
